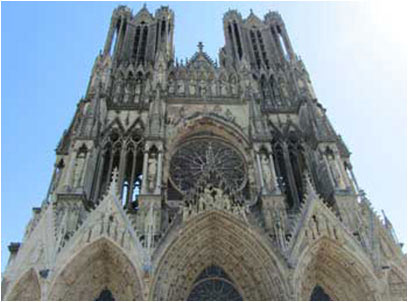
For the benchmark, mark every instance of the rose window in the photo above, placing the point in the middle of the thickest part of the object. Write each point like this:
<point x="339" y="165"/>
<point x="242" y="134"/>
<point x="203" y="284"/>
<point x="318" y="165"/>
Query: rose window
<point x="202" y="156"/>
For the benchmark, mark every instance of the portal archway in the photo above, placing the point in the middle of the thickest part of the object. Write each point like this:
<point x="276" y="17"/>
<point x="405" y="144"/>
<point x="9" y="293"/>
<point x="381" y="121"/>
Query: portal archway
<point x="100" y="266"/>
<point x="218" y="239"/>
<point x="336" y="270"/>
<point x="27" y="288"/>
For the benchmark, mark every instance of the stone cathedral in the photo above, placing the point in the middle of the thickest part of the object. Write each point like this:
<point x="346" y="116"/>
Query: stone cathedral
<point x="199" y="179"/>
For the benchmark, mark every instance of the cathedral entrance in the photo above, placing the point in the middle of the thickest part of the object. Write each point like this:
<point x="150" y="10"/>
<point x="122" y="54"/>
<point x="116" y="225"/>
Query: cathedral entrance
<point x="213" y="284"/>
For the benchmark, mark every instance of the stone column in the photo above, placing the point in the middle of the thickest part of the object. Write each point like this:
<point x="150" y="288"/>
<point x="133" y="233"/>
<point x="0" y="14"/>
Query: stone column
<point x="354" y="180"/>
<point x="108" y="43"/>
<point x="272" y="166"/>
<point x="122" y="169"/>
<point x="286" y="41"/>
<point x="159" y="173"/>
<point x="119" y="38"/>
<point x="98" y="174"/>
<point x="132" y="179"/>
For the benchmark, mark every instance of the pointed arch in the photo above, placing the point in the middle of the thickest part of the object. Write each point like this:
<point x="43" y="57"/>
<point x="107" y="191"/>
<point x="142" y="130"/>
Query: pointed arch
<point x="333" y="266"/>
<point x="101" y="265"/>
<point x="216" y="238"/>
<point x="397" y="284"/>
<point x="27" y="288"/>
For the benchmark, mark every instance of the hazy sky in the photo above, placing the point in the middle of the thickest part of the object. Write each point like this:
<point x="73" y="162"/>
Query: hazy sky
<point x="354" y="52"/>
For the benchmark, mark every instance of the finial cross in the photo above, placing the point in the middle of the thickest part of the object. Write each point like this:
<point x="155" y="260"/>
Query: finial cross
<point x="200" y="46"/>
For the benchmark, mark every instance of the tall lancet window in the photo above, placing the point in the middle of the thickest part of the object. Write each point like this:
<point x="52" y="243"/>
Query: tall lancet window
<point x="136" y="43"/>
<point x="237" y="36"/>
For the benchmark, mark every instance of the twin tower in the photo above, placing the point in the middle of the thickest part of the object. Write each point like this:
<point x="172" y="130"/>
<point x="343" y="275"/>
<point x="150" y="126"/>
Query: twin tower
<point x="203" y="180"/>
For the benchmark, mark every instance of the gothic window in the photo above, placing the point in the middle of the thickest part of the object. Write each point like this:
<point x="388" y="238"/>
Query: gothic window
<point x="281" y="172"/>
<point x="231" y="38"/>
<point x="136" y="42"/>
<point x="163" y="31"/>
<point x="282" y="42"/>
<point x="105" y="295"/>
<point x="114" y="38"/>
<point x="255" y="48"/>
<point x="262" y="46"/>
<point x="239" y="47"/>
<point x="121" y="36"/>
<point x="124" y="154"/>
<point x="264" y="88"/>
<point x="213" y="284"/>
<point x="318" y="294"/>
<point x="297" y="164"/>
<point x="141" y="58"/>
<point x="196" y="157"/>
<point x="275" y="91"/>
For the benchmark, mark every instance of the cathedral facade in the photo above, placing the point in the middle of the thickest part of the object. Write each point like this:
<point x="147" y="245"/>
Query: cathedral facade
<point x="203" y="180"/>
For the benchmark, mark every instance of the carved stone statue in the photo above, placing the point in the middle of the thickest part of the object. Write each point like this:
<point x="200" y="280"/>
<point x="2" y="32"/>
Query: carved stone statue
<point x="138" y="88"/>
<point x="171" y="86"/>
<point x="192" y="88"/>
<point x="266" y="172"/>
<point x="202" y="88"/>
<point x="151" y="173"/>
<point x="78" y="170"/>
<point x="213" y="88"/>
<point x="224" y="91"/>
<point x="284" y="89"/>
<point x="180" y="87"/>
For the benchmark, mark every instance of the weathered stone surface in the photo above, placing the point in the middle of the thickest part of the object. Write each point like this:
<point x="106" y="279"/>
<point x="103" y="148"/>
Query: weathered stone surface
<point x="175" y="176"/>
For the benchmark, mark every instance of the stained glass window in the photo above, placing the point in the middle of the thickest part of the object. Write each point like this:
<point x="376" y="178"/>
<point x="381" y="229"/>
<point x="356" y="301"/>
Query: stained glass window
<point x="196" y="157"/>
<point x="213" y="284"/>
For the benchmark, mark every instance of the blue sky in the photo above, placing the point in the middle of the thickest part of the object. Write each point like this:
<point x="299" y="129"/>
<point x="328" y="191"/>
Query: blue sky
<point x="354" y="52"/>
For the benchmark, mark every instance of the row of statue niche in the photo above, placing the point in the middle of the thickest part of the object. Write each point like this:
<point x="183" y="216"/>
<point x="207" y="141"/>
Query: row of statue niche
<point x="212" y="198"/>
<point x="203" y="88"/>
<point x="131" y="90"/>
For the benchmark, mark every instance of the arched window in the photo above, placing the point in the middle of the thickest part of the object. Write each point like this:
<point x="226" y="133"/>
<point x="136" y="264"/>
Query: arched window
<point x="231" y="39"/>
<point x="298" y="164"/>
<point x="141" y="58"/>
<point x="136" y="43"/>
<point x="213" y="284"/>
<point x="239" y="47"/>
<point x="105" y="295"/>
<point x="318" y="294"/>
<point x="255" y="48"/>
<point x="123" y="152"/>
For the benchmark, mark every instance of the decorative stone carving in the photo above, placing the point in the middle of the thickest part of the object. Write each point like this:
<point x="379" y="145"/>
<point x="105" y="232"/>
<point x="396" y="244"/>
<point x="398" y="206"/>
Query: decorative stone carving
<point x="152" y="172"/>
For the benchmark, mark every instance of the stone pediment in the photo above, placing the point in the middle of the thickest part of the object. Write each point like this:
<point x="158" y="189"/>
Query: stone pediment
<point x="201" y="60"/>
<point x="253" y="20"/>
<point x="143" y="16"/>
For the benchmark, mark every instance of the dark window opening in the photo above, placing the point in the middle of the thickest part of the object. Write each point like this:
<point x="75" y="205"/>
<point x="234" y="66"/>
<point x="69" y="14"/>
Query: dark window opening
<point x="318" y="294"/>
<point x="238" y="40"/>
<point x="136" y="43"/>
<point x="105" y="295"/>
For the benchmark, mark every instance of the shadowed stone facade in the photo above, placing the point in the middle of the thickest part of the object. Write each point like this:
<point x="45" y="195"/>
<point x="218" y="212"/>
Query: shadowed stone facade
<point x="201" y="180"/>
